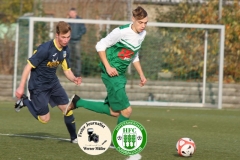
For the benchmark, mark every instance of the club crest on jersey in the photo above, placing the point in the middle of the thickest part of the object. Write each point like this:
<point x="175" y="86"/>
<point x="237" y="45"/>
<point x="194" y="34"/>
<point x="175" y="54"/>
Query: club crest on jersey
<point x="125" y="54"/>
<point x="64" y="54"/>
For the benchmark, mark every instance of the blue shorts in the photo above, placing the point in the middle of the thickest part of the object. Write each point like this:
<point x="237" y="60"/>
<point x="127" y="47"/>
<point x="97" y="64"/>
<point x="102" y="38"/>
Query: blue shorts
<point x="54" y="96"/>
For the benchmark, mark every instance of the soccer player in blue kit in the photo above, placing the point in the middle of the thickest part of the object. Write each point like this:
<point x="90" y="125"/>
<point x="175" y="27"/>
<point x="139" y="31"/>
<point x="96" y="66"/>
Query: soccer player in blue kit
<point x="44" y="86"/>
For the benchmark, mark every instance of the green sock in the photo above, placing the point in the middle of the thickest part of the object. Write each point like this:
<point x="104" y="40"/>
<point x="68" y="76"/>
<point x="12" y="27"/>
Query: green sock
<point x="99" y="107"/>
<point x="121" y="118"/>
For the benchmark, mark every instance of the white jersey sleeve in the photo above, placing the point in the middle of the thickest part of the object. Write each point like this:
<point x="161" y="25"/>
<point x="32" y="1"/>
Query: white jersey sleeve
<point x="111" y="39"/>
<point x="136" y="58"/>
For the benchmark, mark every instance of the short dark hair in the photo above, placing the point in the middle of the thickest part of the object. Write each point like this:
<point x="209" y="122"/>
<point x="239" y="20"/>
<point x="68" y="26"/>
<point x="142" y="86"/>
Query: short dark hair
<point x="139" y="13"/>
<point x="72" y="9"/>
<point x="62" y="27"/>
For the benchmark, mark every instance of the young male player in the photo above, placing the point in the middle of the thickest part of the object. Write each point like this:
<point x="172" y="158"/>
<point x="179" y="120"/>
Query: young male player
<point x="44" y="86"/>
<point x="117" y="50"/>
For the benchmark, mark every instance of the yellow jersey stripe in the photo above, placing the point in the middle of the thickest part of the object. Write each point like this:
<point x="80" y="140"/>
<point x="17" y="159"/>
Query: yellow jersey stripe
<point x="31" y="64"/>
<point x="55" y="44"/>
<point x="64" y="65"/>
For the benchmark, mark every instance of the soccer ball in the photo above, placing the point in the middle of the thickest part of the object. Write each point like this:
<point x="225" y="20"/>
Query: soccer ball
<point x="185" y="147"/>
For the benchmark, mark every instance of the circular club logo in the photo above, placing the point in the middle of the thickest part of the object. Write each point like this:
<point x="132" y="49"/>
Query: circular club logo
<point x="129" y="137"/>
<point x="94" y="137"/>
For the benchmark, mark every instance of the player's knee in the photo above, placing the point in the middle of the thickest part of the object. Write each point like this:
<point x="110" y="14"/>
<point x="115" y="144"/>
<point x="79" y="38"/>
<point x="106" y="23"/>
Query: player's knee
<point x="44" y="119"/>
<point x="115" y="114"/>
<point x="127" y="112"/>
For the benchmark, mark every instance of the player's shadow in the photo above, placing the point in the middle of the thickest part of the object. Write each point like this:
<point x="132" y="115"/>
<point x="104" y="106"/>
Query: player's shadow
<point x="177" y="155"/>
<point x="40" y="136"/>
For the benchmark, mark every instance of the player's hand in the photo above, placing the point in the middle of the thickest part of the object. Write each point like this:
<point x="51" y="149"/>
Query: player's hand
<point x="112" y="72"/>
<point x="143" y="80"/>
<point x="77" y="80"/>
<point x="19" y="92"/>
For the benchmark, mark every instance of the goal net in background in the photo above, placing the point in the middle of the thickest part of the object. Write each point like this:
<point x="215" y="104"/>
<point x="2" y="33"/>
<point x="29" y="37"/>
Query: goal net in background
<point x="182" y="62"/>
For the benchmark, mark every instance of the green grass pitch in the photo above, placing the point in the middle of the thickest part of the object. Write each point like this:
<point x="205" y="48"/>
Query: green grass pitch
<point x="215" y="132"/>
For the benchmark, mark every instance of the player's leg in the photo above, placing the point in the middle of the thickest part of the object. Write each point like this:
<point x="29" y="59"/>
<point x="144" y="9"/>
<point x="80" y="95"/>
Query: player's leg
<point x="119" y="102"/>
<point x="25" y="102"/>
<point x="98" y="107"/>
<point x="20" y="103"/>
<point x="114" y="113"/>
<point x="37" y="106"/>
<point x="44" y="118"/>
<point x="125" y="115"/>
<point x="70" y="123"/>
<point x="60" y="98"/>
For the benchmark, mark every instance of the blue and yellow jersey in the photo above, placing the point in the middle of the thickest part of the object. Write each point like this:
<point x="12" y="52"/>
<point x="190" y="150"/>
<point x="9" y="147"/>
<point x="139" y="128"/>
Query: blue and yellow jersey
<point x="44" y="62"/>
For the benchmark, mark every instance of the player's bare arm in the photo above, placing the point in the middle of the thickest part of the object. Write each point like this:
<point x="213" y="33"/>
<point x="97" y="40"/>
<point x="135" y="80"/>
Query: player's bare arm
<point x="20" y="90"/>
<point x="69" y="74"/>
<point x="138" y="67"/>
<point x="110" y="70"/>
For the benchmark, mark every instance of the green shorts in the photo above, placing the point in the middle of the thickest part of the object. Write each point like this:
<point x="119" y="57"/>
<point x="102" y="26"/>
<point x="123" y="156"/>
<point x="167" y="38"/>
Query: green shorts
<point x="116" y="93"/>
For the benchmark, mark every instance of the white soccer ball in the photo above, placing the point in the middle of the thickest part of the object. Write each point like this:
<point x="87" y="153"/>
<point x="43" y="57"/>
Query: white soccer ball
<point x="185" y="147"/>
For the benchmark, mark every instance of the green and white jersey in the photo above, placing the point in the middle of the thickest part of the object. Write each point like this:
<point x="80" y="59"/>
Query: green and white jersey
<point x="121" y="46"/>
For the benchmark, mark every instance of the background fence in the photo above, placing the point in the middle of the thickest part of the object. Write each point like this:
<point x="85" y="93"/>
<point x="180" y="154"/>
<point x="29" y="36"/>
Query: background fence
<point x="159" y="59"/>
<point x="206" y="12"/>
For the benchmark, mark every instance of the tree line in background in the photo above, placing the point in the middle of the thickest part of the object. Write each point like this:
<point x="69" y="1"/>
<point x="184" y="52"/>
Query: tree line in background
<point x="9" y="12"/>
<point x="204" y="13"/>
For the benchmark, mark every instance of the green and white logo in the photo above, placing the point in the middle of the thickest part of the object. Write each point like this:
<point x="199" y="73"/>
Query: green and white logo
<point x="129" y="137"/>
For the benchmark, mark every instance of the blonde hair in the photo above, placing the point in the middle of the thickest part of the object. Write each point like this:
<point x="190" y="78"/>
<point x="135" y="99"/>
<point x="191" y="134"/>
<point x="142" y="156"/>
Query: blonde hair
<point x="62" y="27"/>
<point x="139" y="13"/>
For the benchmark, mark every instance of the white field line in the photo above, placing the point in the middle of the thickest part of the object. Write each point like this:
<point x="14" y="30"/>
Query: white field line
<point x="132" y="157"/>
<point x="31" y="136"/>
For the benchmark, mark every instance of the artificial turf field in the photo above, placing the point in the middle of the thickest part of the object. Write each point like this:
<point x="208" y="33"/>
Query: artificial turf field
<point x="215" y="132"/>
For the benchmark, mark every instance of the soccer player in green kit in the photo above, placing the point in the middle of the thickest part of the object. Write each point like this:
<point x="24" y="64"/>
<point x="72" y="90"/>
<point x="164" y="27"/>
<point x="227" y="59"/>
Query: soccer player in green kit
<point x="117" y="50"/>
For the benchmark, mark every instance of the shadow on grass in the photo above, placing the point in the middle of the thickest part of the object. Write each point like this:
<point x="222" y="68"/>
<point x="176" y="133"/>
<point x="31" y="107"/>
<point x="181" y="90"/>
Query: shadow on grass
<point x="40" y="136"/>
<point x="177" y="155"/>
